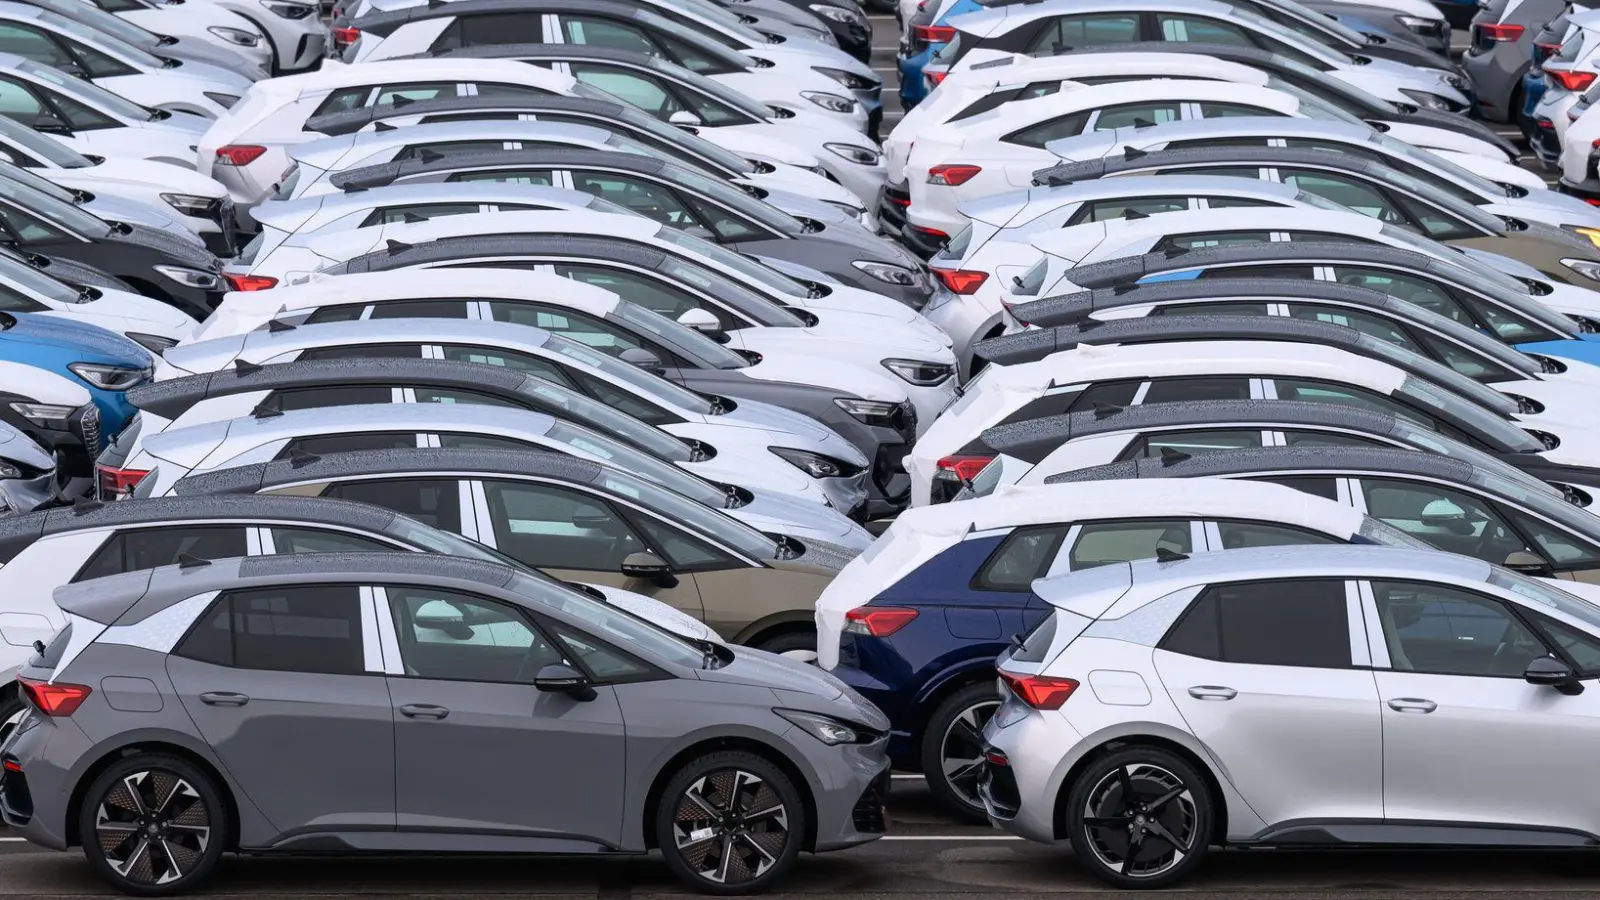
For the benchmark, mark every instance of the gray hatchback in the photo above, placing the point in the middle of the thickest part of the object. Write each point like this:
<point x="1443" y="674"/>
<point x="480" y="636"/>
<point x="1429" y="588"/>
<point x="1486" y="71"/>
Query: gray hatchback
<point x="357" y="702"/>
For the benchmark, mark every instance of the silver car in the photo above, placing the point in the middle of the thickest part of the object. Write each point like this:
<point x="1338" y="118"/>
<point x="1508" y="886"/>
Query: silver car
<point x="1314" y="696"/>
<point x="569" y="726"/>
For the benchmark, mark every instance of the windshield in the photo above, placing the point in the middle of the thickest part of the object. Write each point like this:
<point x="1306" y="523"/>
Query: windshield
<point x="1313" y="106"/>
<point x="1438" y="444"/>
<point x="641" y="381"/>
<point x="1469" y="417"/>
<point x="34" y="144"/>
<point x="28" y="179"/>
<point x="660" y="444"/>
<point x="725" y="530"/>
<point x="102" y="21"/>
<point x="621" y="456"/>
<point x="1437" y="163"/>
<point x="18" y="274"/>
<point x="738" y="200"/>
<point x="615" y="625"/>
<point x="711" y="88"/>
<point x="1291" y="40"/>
<point x="682" y="336"/>
<point x="87" y="92"/>
<point x="59" y="212"/>
<point x="746" y="267"/>
<point x="1436" y="372"/>
<point x="1545" y="594"/>
<point x="109" y="43"/>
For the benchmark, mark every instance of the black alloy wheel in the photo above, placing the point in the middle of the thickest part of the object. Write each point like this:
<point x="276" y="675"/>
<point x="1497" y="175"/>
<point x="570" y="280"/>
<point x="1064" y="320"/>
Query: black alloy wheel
<point x="730" y="823"/>
<point x="952" y="748"/>
<point x="153" y="825"/>
<point x="1140" y="818"/>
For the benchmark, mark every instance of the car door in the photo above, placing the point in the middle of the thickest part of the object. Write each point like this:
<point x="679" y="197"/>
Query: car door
<point x="277" y="681"/>
<point x="479" y="749"/>
<point x="1271" y="677"/>
<point x="1449" y="665"/>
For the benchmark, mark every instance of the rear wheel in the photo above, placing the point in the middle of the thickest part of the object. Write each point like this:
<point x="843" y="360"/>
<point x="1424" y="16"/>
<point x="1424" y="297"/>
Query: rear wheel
<point x="730" y="823"/>
<point x="153" y="825"/>
<point x="952" y="747"/>
<point x="1140" y="818"/>
<point x="799" y="645"/>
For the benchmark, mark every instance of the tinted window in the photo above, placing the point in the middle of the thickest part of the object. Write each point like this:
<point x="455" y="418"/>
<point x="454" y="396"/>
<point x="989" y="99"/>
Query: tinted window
<point x="432" y="501"/>
<point x="314" y="540"/>
<point x="546" y="525"/>
<point x="131" y="551"/>
<point x="684" y="551"/>
<point x="1213" y="110"/>
<point x="342" y="100"/>
<point x="1138" y="115"/>
<point x="1214" y="239"/>
<point x="458" y="637"/>
<point x="420" y="309"/>
<point x="604" y="662"/>
<point x="648" y="291"/>
<point x="349" y="443"/>
<point x="1101" y="210"/>
<point x="1183" y="390"/>
<point x="425" y="394"/>
<point x="1205" y="31"/>
<point x="1447" y="631"/>
<point x="1104" y="543"/>
<point x="366" y="351"/>
<point x="1052" y="130"/>
<point x="1378" y="326"/>
<point x="539" y="177"/>
<point x="532" y="365"/>
<point x="1267" y="623"/>
<point x="293" y="399"/>
<point x="32" y="44"/>
<point x="289" y="629"/>
<point x="1579" y="646"/>
<point x="1197" y="441"/>
<point x="1067" y="32"/>
<point x="1344" y="395"/>
<point x="1560" y="546"/>
<point x="1024" y="555"/>
<point x="1114" y="393"/>
<point x="1262" y="534"/>
<point x="501" y="28"/>
<point x="344" y="312"/>
<point x="415" y="151"/>
<point x="1448" y="519"/>
<point x="395" y="215"/>
<point x="1315" y="485"/>
<point x="419" y="91"/>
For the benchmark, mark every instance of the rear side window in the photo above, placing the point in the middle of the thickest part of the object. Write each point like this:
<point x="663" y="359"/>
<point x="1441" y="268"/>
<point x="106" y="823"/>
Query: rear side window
<point x="431" y="501"/>
<point x="1267" y="623"/>
<point x="317" y="398"/>
<point x="1024" y="555"/>
<point x="1108" y="543"/>
<point x="314" y="628"/>
<point x="130" y="551"/>
<point x="1266" y="534"/>
<point x="1317" y="486"/>
<point x="349" y="443"/>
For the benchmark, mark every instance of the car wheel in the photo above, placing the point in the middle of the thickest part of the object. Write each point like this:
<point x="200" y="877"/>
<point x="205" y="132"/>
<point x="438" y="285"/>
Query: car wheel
<point x="12" y="709"/>
<point x="800" y="645"/>
<point x="952" y="747"/>
<point x="1140" y="818"/>
<point x="730" y="823"/>
<point x="153" y="825"/>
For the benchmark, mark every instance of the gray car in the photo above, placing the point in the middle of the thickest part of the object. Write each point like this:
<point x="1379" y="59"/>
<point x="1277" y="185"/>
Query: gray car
<point x="568" y="726"/>
<point x="1501" y="51"/>
<point x="680" y="197"/>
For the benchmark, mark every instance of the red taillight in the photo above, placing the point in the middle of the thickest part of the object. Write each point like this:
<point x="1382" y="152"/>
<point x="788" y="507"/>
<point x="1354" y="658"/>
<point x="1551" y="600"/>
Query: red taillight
<point x="932" y="234"/>
<point x="112" y="483"/>
<point x="344" y="37"/>
<point x="940" y="34"/>
<point x="249" y="282"/>
<point x="1040" y="691"/>
<point x="1572" y="81"/>
<point x="57" y="699"/>
<point x="960" y="281"/>
<point x="953" y="174"/>
<point x="902" y="202"/>
<point x="1547" y="48"/>
<point x="996" y="758"/>
<point x="1591" y="201"/>
<point x="877" y="621"/>
<point x="934" y="79"/>
<point x="965" y="468"/>
<point x="11" y="765"/>
<point x="1501" y="33"/>
<point x="239" y="154"/>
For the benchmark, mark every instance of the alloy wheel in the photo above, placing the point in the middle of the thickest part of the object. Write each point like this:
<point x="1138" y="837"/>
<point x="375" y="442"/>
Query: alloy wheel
<point x="961" y="751"/>
<point x="731" y="826"/>
<point x="1140" y="820"/>
<point x="153" y="827"/>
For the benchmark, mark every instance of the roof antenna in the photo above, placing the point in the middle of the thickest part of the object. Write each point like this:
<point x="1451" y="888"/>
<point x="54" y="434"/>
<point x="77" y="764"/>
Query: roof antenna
<point x="1165" y="555"/>
<point x="1131" y="153"/>
<point x="299" y="458"/>
<point x="1175" y="251"/>
<point x="85" y="505"/>
<point x="394" y="246"/>
<point x="411" y="218"/>
<point x="401" y="100"/>
<point x="243" y="367"/>
<point x="263" y="411"/>
<point x="1131" y="213"/>
<point x="351" y="187"/>
<point x="384" y="126"/>
<point x="278" y="326"/>
<point x="430" y="156"/>
<point x="190" y="561"/>
<point x="1171" y="457"/>
<point x="1104" y="410"/>
<point x="1090" y="324"/>
<point x="1143" y="123"/>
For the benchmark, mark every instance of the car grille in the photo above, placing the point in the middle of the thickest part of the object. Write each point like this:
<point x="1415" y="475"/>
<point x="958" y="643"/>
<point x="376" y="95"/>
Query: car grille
<point x="89" y="429"/>
<point x="871" y="813"/>
<point x="999" y="787"/>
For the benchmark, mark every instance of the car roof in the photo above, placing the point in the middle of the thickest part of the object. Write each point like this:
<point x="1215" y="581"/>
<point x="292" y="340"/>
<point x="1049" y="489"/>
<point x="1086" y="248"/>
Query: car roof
<point x="348" y="244"/>
<point x="383" y="174"/>
<point x="370" y="331"/>
<point x="1271" y="460"/>
<point x="263" y="476"/>
<point x="1066" y="241"/>
<point x="407" y="256"/>
<point x="1147" y="56"/>
<point x="540" y="51"/>
<point x="385" y="71"/>
<point x="1001" y="209"/>
<point x="1018" y="114"/>
<point x="434" y="10"/>
<point x="496" y="129"/>
<point x="993" y="20"/>
<point x="1227" y="127"/>
<point x="352" y="120"/>
<point x="1138" y="160"/>
<point x="432" y="284"/>
<point x="288" y="215"/>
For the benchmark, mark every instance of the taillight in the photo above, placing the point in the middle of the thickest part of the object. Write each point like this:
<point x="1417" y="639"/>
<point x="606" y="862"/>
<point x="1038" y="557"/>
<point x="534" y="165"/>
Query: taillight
<point x="953" y="174"/>
<point x="57" y="699"/>
<point x="239" y="154"/>
<point x="11" y="765"/>
<point x="902" y="202"/>
<point x="344" y="37"/>
<point x="1501" y="33"/>
<point x="112" y="483"/>
<point x="935" y="78"/>
<point x="249" y="282"/>
<point x="1547" y="48"/>
<point x="965" y="468"/>
<point x="877" y="621"/>
<point x="1040" y="691"/>
<point x="1572" y="81"/>
<point x="1545" y="125"/>
<point x="940" y="34"/>
<point x="960" y="281"/>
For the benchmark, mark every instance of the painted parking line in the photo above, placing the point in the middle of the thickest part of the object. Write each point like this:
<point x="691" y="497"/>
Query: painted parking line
<point x="949" y="837"/>
<point x="12" y="840"/>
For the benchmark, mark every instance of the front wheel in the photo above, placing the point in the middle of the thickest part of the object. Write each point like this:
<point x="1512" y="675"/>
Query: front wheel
<point x="1140" y="818"/>
<point x="153" y="825"/>
<point x="730" y="823"/>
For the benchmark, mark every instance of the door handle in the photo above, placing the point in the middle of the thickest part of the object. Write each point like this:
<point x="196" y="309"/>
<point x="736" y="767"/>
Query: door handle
<point x="223" y="698"/>
<point x="423" y="711"/>
<point x="1412" y="705"/>
<point x="1212" y="692"/>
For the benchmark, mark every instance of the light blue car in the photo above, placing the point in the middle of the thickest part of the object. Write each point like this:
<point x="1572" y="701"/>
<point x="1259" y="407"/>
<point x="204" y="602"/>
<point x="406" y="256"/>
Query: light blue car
<point x="105" y="364"/>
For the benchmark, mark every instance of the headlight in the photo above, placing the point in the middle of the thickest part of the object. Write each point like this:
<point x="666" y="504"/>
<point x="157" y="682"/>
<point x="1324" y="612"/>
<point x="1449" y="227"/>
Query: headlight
<point x="190" y="204"/>
<point x="826" y="729"/>
<point x="1587" y="268"/>
<point x="190" y="278"/>
<point x="1592" y="234"/>
<point x="870" y="412"/>
<point x="853" y="212"/>
<point x="830" y="102"/>
<point x="891" y="274"/>
<point x="155" y="343"/>
<point x="814" y="464"/>
<point x="1418" y="24"/>
<point x="849" y="79"/>
<point x="290" y="11"/>
<point x="45" y="415"/>
<point x="226" y="101"/>
<point x="1426" y="100"/>
<point x="922" y="374"/>
<point x="236" y="35"/>
<point x="1457" y="82"/>
<point x="108" y="377"/>
<point x="838" y="14"/>
<point x="861" y="156"/>
<point x="7" y="470"/>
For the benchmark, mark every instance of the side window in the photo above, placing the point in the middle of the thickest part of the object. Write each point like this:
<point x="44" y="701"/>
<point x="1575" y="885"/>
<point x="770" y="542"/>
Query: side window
<point x="1068" y="32"/>
<point x="1298" y="273"/>
<point x="19" y="102"/>
<point x="612" y="396"/>
<point x="537" y="177"/>
<point x="1200" y="30"/>
<point x="131" y="551"/>
<point x="415" y="151"/>
<point x="426" y="394"/>
<point x="1443" y="630"/>
<point x="344" y="312"/>
<point x="395" y="215"/>
<point x="293" y="399"/>
<point x="1211" y="309"/>
<point x="1583" y="648"/>
<point x="342" y="100"/>
<point x="322" y="445"/>
<point x="603" y="33"/>
<point x="633" y="88"/>
<point x="684" y="551"/>
<point x="1367" y="323"/>
<point x="424" y="90"/>
<point x="1323" y="486"/>
<point x="651" y="200"/>
<point x="1328" y="439"/>
<point x="458" y="637"/>
<point x="1114" y="393"/>
<point x="1563" y="548"/>
<point x="650" y="292"/>
<point x="368" y="351"/>
<point x="28" y="228"/>
<point x="1358" y="195"/>
<point x="1023" y="556"/>
<point x="1213" y="239"/>
<point x="501" y="28"/>
<point x="605" y="662"/>
<point x="431" y="501"/>
<point x="31" y="43"/>
<point x="545" y="525"/>
<point x="483" y="442"/>
<point x="1345" y="395"/>
<point x="79" y="117"/>
<point x="1184" y="390"/>
<point x="583" y="328"/>
<point x="99" y="64"/>
<point x="1448" y="519"/>
<point x="1045" y="132"/>
<point x="1198" y="441"/>
<point x="1139" y="115"/>
<point x="505" y="359"/>
<point x="419" y="309"/>
<point x="15" y="301"/>
<point x="1101" y="210"/>
<point x="1105" y="543"/>
<point x="1237" y="534"/>
<point x="312" y="628"/>
<point x="1214" y="110"/>
<point x="492" y="89"/>
<point x="1267" y="623"/>
<point x="315" y="540"/>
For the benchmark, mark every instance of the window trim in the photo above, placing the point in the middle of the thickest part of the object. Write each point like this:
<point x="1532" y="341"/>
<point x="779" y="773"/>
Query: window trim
<point x="1352" y="609"/>
<point x="978" y="583"/>
<point x="363" y="633"/>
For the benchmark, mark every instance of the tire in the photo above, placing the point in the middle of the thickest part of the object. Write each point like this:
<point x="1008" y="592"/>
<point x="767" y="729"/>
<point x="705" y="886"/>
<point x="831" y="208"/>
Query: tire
<point x="730" y="822"/>
<point x="1171" y="811"/>
<point x="953" y="736"/>
<point x="157" y="791"/>
<point x="800" y="645"/>
<point x="12" y="708"/>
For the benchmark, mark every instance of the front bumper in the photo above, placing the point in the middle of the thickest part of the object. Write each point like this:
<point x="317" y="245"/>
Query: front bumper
<point x="852" y="806"/>
<point x="892" y="203"/>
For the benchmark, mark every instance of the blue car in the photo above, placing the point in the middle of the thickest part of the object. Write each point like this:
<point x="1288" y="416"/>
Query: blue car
<point x="927" y="35"/>
<point x="104" y="363"/>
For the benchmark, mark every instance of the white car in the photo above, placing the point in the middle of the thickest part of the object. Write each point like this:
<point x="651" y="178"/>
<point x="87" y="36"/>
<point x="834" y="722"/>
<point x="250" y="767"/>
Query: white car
<point x="92" y="120"/>
<point x="1579" y="151"/>
<point x="1000" y="149"/>
<point x="293" y="29"/>
<point x="109" y="208"/>
<point x="123" y="69"/>
<point x="247" y="149"/>
<point x="1567" y="74"/>
<point x="150" y="323"/>
<point x="202" y="32"/>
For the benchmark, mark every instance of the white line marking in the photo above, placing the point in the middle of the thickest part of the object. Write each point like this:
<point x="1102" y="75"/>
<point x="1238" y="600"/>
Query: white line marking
<point x="949" y="837"/>
<point x="11" y="840"/>
<point x="905" y="776"/>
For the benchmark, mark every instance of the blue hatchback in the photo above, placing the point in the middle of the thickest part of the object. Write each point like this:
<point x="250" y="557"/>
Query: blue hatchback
<point x="106" y="364"/>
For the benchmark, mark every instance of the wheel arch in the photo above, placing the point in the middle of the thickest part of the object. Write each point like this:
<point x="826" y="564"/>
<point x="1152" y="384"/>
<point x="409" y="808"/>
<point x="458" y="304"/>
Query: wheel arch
<point x="153" y="744"/>
<point x="749" y="741"/>
<point x="768" y="627"/>
<point x="935" y="690"/>
<point x="1159" y="737"/>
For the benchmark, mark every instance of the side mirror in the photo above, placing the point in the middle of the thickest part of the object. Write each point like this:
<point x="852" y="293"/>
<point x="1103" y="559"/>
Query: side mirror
<point x="5" y="156"/>
<point x="1547" y="671"/>
<point x="1446" y="515"/>
<point x="700" y="320"/>
<point x="683" y="119"/>
<point x="1528" y="564"/>
<point x="559" y="679"/>
<point x="650" y="567"/>
<point x="644" y="359"/>
<point x="439" y="615"/>
<point x="50" y="124"/>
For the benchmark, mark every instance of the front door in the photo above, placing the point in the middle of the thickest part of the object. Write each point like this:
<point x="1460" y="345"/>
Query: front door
<point x="477" y="747"/>
<point x="276" y="680"/>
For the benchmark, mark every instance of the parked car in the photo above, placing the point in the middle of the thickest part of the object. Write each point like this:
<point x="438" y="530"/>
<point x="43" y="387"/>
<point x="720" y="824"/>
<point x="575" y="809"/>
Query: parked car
<point x="293" y="30"/>
<point x="1499" y="54"/>
<point x="28" y="480"/>
<point x="1567" y="74"/>
<point x="89" y="358"/>
<point x="201" y="31"/>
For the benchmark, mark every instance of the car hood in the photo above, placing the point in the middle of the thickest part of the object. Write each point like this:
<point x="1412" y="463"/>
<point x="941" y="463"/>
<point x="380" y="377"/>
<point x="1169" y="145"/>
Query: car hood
<point x="811" y="53"/>
<point x="198" y="55"/>
<point x="79" y="274"/>
<point x="134" y="213"/>
<point x="139" y="172"/>
<point x="844" y="343"/>
<point x="796" y="365"/>
<point x="771" y="512"/>
<point x="765" y="416"/>
<point x="179" y="249"/>
<point x="175" y="124"/>
<point x="758" y="668"/>
<point x="137" y="308"/>
<point x="88" y="340"/>
<point x="17" y="447"/>
<point x="212" y="77"/>
<point x="656" y="613"/>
